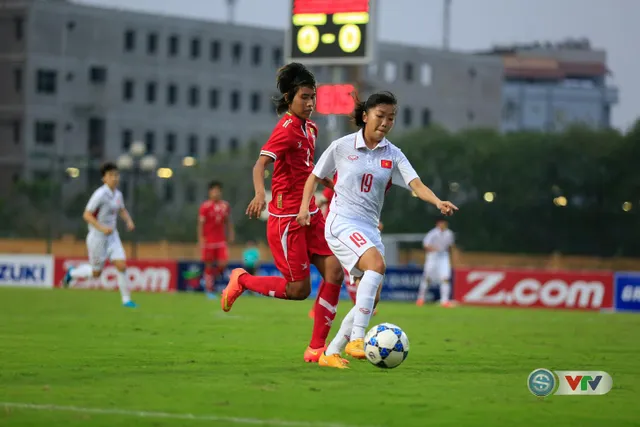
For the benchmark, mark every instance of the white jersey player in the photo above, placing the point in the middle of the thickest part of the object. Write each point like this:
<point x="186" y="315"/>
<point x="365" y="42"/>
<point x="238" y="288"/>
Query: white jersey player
<point x="367" y="164"/>
<point x="437" y="264"/>
<point x="103" y="240"/>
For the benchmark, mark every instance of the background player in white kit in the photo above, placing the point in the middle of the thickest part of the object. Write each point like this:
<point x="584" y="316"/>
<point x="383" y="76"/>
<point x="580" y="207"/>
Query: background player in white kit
<point x="437" y="263"/>
<point x="103" y="241"/>
<point x="367" y="164"/>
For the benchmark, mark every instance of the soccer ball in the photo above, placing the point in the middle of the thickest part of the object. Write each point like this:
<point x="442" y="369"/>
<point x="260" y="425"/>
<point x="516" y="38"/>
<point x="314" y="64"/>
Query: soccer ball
<point x="386" y="346"/>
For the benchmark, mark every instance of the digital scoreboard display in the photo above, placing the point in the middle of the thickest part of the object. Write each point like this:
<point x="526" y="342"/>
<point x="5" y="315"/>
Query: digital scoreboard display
<point x="326" y="32"/>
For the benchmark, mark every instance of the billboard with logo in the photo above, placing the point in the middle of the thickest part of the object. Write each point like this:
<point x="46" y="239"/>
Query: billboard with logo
<point x="534" y="288"/>
<point x="144" y="275"/>
<point x="627" y="291"/>
<point x="33" y="271"/>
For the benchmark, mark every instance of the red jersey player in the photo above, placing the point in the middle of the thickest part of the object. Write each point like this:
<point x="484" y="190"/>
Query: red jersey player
<point x="291" y="148"/>
<point x="215" y="229"/>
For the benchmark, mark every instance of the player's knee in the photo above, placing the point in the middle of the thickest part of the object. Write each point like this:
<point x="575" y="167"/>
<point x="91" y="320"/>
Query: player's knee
<point x="334" y="273"/>
<point x="299" y="290"/>
<point x="97" y="273"/>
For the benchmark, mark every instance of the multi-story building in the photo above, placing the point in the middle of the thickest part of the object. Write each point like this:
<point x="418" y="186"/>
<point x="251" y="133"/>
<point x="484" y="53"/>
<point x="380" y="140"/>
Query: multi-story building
<point x="548" y="87"/>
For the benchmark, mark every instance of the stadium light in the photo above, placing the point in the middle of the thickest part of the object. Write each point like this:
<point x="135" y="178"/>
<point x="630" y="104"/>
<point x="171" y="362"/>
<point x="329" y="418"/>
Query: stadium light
<point x="188" y="161"/>
<point x="165" y="173"/>
<point x="148" y="163"/>
<point x="125" y="162"/>
<point x="489" y="196"/>
<point x="560" y="201"/>
<point x="627" y="206"/>
<point x="138" y="149"/>
<point x="73" y="172"/>
<point x="454" y="186"/>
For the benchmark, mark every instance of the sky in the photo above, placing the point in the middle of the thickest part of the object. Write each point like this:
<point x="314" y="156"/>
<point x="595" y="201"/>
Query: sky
<point x="612" y="25"/>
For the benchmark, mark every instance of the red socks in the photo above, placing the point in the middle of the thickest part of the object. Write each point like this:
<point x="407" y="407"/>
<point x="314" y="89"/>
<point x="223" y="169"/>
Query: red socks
<point x="271" y="286"/>
<point x="325" y="309"/>
<point x="209" y="277"/>
<point x="351" y="287"/>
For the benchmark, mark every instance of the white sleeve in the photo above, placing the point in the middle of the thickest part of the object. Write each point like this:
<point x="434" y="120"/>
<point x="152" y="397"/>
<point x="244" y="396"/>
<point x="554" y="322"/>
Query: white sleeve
<point x="428" y="239"/>
<point x="95" y="201"/>
<point x="326" y="165"/>
<point x="121" y="199"/>
<point x="403" y="173"/>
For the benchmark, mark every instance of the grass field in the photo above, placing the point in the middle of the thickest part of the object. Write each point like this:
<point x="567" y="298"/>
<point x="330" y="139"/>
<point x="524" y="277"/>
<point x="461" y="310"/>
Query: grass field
<point x="75" y="357"/>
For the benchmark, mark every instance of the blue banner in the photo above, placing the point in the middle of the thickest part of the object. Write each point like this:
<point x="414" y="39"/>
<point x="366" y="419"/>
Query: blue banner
<point x="400" y="283"/>
<point x="627" y="291"/>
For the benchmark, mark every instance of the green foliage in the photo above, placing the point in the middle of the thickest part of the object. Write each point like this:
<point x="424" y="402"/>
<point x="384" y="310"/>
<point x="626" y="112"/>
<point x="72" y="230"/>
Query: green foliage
<point x="596" y="171"/>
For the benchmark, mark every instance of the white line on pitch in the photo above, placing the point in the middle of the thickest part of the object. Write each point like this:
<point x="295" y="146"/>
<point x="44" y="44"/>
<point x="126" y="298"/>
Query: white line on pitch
<point x="148" y="414"/>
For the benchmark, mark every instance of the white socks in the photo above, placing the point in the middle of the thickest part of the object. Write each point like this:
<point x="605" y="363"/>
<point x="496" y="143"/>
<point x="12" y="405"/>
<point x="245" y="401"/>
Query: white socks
<point x="445" y="292"/>
<point x="422" y="290"/>
<point x="123" y="285"/>
<point x="342" y="338"/>
<point x="83" y="271"/>
<point x="365" y="300"/>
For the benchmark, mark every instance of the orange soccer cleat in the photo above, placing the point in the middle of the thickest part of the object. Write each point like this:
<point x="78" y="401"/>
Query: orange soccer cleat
<point x="332" y="361"/>
<point x="448" y="304"/>
<point x="420" y="302"/>
<point x="233" y="289"/>
<point x="311" y="355"/>
<point x="355" y="349"/>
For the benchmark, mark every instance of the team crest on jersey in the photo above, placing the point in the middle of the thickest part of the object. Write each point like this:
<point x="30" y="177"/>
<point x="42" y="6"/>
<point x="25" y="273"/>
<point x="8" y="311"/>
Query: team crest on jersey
<point x="386" y="164"/>
<point x="353" y="157"/>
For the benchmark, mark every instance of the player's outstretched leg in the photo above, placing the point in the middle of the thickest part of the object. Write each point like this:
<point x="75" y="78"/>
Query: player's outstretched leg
<point x="123" y="284"/>
<point x="445" y="294"/>
<point x="83" y="271"/>
<point x="240" y="280"/>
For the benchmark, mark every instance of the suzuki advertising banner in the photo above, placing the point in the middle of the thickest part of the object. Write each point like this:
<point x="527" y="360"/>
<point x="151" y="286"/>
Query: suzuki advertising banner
<point x="534" y="288"/>
<point x="627" y="291"/>
<point x="144" y="275"/>
<point x="31" y="271"/>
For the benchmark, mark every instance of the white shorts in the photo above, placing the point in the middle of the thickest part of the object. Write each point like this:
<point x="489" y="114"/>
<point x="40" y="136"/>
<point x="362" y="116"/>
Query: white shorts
<point x="101" y="248"/>
<point x="437" y="267"/>
<point x="349" y="239"/>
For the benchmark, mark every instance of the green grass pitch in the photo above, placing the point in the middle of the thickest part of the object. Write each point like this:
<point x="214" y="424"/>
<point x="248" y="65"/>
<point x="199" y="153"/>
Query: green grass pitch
<point x="77" y="358"/>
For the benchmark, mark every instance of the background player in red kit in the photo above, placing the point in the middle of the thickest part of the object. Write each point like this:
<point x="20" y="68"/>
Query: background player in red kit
<point x="291" y="148"/>
<point x="215" y="229"/>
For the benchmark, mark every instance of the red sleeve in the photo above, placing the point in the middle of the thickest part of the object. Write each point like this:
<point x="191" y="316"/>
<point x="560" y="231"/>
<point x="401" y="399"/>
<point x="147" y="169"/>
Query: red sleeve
<point x="327" y="193"/>
<point x="278" y="143"/>
<point x="202" y="213"/>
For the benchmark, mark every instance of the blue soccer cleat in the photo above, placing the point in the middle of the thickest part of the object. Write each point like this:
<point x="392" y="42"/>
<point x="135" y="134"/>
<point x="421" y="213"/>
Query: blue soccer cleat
<point x="211" y="295"/>
<point x="130" y="304"/>
<point x="66" y="281"/>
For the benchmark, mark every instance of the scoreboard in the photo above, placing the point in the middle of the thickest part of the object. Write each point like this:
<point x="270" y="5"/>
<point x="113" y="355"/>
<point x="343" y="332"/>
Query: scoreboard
<point x="330" y="32"/>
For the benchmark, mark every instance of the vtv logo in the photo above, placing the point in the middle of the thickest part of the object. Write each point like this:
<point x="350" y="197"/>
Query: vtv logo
<point x="583" y="383"/>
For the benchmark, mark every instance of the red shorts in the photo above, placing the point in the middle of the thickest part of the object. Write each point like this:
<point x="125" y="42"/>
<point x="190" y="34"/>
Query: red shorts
<point x="216" y="254"/>
<point x="292" y="246"/>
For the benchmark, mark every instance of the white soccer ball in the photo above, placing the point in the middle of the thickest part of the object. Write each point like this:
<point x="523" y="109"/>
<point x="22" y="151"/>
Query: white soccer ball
<point x="386" y="346"/>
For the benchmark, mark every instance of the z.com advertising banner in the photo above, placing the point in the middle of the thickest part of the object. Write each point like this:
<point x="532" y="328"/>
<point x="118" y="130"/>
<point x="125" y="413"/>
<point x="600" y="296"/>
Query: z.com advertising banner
<point x="32" y="271"/>
<point x="144" y="275"/>
<point x="531" y="288"/>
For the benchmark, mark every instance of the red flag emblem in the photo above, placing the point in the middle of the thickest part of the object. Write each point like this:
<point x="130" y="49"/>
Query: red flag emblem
<point x="386" y="164"/>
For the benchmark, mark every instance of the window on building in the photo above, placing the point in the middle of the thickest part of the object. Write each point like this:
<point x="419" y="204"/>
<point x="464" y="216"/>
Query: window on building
<point x="18" y="28"/>
<point x="256" y="55"/>
<point x="214" y="98"/>
<point x="213" y="145"/>
<point x="277" y="57"/>
<point x="407" y="116"/>
<point x="126" y="139"/>
<point x="233" y="145"/>
<point x="17" y="80"/>
<point x="45" y="132"/>
<point x="235" y="100"/>
<point x="152" y="43"/>
<point x="151" y="92"/>
<point x="426" y="117"/>
<point x="236" y="53"/>
<point x="195" y="48"/>
<point x="97" y="74"/>
<point x="390" y="72"/>
<point x="255" y="102"/>
<point x="425" y="75"/>
<point x="129" y="40"/>
<point x="17" y="131"/>
<point x="194" y="96"/>
<point x="215" y="50"/>
<point x="174" y="45"/>
<point x="170" y="143"/>
<point x="128" y="90"/>
<point x="172" y="94"/>
<point x="46" y="81"/>
<point x="408" y="71"/>
<point x="193" y="146"/>
<point x="150" y="141"/>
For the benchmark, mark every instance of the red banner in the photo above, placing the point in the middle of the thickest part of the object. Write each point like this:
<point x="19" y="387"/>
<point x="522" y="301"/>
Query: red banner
<point x="531" y="288"/>
<point x="144" y="275"/>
